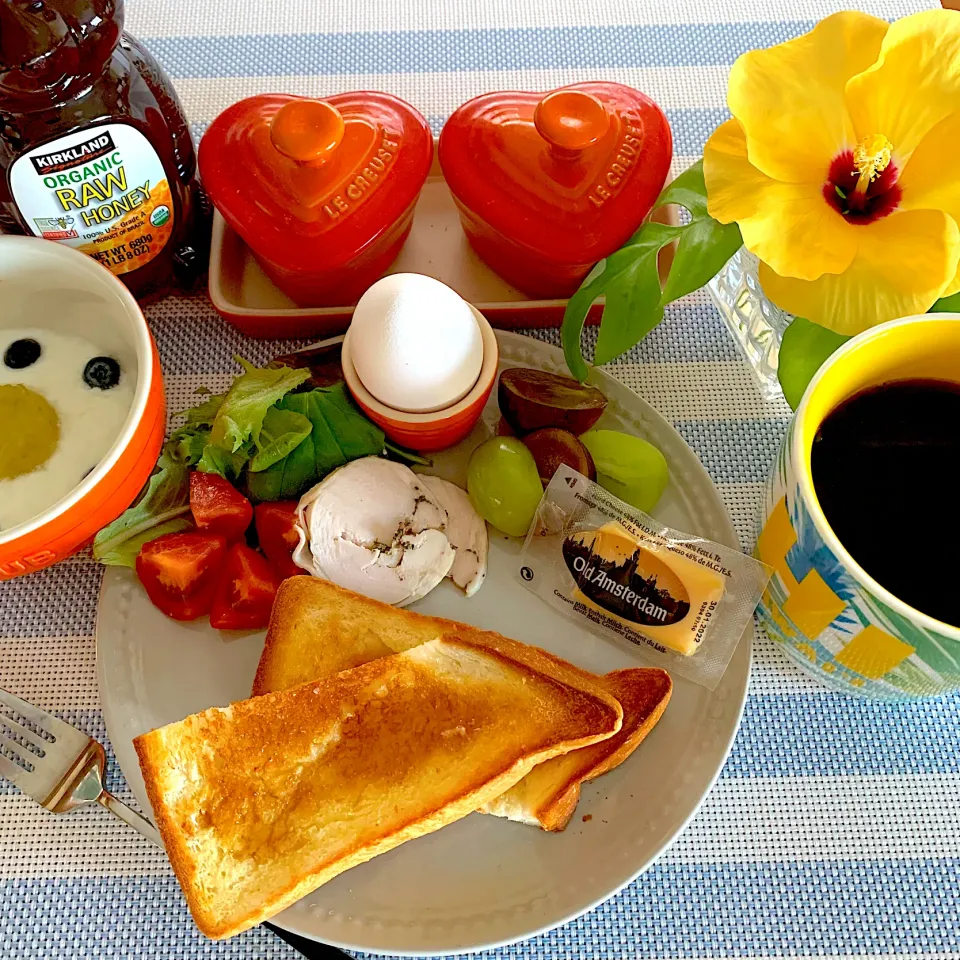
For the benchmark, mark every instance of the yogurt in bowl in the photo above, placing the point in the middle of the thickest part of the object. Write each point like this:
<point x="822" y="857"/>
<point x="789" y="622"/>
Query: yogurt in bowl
<point x="81" y="402"/>
<point x="63" y="403"/>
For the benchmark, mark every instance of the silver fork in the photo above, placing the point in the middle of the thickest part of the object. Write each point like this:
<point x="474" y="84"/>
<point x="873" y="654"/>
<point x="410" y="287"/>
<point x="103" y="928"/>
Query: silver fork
<point x="61" y="768"/>
<point x="56" y="764"/>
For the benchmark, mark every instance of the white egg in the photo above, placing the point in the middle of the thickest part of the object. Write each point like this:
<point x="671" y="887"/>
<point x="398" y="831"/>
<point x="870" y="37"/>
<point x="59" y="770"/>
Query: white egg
<point x="416" y="344"/>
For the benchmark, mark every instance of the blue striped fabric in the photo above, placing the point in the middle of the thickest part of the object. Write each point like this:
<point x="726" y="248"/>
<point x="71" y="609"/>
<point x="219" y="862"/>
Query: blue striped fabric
<point x="431" y="51"/>
<point x="835" y="826"/>
<point x="832" y="908"/>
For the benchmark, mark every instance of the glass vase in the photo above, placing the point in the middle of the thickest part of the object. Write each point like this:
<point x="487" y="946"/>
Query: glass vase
<point x="755" y="323"/>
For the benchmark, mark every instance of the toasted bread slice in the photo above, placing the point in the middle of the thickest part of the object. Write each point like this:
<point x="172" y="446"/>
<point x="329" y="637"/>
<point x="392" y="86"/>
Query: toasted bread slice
<point x="548" y="795"/>
<point x="318" y="628"/>
<point x="261" y="802"/>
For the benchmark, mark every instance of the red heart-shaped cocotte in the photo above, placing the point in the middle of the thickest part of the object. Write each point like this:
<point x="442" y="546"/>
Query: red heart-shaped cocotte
<point x="548" y="184"/>
<point x="322" y="191"/>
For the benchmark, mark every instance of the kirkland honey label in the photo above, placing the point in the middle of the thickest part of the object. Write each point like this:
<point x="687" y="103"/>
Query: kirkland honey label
<point x="102" y="190"/>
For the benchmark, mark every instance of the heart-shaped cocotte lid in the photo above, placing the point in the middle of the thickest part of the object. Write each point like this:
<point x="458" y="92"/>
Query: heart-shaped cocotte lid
<point x="548" y="184"/>
<point x="322" y="191"/>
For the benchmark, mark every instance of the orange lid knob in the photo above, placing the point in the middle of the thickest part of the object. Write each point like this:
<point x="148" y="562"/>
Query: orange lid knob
<point x="306" y="130"/>
<point x="570" y="120"/>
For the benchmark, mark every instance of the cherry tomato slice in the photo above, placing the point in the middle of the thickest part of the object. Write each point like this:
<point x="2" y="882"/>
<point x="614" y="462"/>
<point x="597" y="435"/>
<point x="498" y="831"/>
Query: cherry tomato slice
<point x="245" y="591"/>
<point x="179" y="571"/>
<point x="277" y="530"/>
<point x="218" y="506"/>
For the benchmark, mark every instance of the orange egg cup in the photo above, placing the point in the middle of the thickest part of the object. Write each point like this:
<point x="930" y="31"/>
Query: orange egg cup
<point x="114" y="484"/>
<point x="439" y="429"/>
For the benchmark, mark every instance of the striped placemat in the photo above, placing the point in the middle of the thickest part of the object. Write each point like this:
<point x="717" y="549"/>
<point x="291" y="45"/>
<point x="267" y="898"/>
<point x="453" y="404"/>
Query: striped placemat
<point x="835" y="826"/>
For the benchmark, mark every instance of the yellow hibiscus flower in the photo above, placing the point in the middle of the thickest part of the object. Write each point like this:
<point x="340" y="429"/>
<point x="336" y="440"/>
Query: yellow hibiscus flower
<point x="841" y="167"/>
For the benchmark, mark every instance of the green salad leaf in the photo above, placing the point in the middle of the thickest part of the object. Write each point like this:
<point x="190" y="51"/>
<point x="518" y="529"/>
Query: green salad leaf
<point x="227" y="464"/>
<point x="204" y="414"/>
<point x="282" y="432"/>
<point x="274" y="450"/>
<point x="629" y="279"/>
<point x="239" y="417"/>
<point x="405" y="456"/>
<point x="163" y="508"/>
<point x="187" y="445"/>
<point x="225" y="432"/>
<point x="339" y="433"/>
<point x="188" y="442"/>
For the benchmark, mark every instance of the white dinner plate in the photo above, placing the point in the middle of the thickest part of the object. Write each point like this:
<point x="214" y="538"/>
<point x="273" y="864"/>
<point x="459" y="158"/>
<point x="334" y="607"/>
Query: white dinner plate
<point x="482" y="881"/>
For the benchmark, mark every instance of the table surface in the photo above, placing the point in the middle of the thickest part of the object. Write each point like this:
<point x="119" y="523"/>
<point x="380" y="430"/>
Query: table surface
<point x="835" y="826"/>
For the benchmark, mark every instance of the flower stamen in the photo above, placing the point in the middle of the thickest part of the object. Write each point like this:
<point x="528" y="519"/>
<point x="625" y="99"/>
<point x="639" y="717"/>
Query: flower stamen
<point x="871" y="157"/>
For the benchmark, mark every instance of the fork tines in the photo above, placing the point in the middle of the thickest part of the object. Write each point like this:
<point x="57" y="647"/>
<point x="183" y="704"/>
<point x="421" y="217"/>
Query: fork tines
<point x="27" y="735"/>
<point x="26" y="713"/>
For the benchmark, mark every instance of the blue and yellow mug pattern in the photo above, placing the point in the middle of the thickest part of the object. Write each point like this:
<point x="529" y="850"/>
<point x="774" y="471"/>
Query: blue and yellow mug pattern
<point x="832" y="618"/>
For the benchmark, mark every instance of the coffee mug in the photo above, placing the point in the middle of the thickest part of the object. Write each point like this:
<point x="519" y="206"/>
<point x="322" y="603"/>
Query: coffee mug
<point x="833" y="618"/>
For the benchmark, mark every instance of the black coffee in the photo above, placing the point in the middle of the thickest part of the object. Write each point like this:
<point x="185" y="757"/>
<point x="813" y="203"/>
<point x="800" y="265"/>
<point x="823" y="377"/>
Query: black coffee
<point x="886" y="469"/>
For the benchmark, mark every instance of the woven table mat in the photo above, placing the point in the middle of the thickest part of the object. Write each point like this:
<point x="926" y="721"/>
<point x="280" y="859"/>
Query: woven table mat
<point x="835" y="826"/>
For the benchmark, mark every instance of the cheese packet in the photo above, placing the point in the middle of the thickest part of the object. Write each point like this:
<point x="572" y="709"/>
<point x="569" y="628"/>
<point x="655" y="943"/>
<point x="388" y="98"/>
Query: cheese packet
<point x="683" y="601"/>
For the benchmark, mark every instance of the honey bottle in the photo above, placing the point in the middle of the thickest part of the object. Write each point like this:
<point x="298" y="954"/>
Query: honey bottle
<point x="94" y="146"/>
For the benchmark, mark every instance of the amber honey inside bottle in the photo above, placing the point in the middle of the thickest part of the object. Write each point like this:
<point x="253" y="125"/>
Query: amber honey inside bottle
<point x="94" y="146"/>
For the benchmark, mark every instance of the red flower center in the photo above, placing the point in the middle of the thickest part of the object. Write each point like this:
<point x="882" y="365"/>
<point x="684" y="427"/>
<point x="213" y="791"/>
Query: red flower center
<point x="881" y="198"/>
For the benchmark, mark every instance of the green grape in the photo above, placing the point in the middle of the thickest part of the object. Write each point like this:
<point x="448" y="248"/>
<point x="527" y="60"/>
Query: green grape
<point x="504" y="484"/>
<point x="628" y="467"/>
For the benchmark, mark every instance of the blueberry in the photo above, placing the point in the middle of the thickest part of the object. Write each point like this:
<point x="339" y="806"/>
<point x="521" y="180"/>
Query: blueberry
<point x="102" y="373"/>
<point x="22" y="353"/>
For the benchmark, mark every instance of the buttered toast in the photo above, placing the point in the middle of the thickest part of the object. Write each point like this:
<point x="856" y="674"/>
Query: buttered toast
<point x="261" y="802"/>
<point x="548" y="795"/>
<point x="318" y="628"/>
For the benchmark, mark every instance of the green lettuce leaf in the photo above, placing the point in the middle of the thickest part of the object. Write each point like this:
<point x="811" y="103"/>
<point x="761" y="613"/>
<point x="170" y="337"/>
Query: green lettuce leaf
<point x="339" y="433"/>
<point x="239" y="418"/>
<point x="163" y="508"/>
<point x="204" y="414"/>
<point x="226" y="431"/>
<point x="353" y="433"/>
<point x="188" y="442"/>
<point x="282" y="431"/>
<point x="227" y="464"/>
<point x="403" y="455"/>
